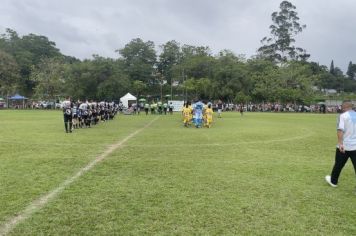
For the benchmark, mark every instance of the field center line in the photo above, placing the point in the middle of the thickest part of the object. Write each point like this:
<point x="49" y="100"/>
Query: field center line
<point x="39" y="203"/>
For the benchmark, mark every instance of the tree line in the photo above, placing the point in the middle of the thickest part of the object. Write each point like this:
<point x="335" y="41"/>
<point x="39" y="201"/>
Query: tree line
<point x="280" y="71"/>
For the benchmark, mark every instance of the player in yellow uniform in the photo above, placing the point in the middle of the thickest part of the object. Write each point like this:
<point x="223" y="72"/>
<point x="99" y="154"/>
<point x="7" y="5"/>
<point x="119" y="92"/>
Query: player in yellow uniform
<point x="191" y="112"/>
<point x="208" y="116"/>
<point x="204" y="113"/>
<point x="184" y="104"/>
<point x="187" y="114"/>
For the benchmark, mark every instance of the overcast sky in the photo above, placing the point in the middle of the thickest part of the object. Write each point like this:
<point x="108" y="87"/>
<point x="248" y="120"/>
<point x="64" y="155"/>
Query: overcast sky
<point x="81" y="28"/>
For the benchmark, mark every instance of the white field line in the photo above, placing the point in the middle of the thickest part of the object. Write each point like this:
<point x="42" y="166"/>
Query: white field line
<point x="293" y="138"/>
<point x="39" y="203"/>
<point x="72" y="144"/>
<point x="37" y="144"/>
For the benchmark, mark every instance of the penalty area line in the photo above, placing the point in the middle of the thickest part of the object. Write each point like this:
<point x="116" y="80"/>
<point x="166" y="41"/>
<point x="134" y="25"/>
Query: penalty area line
<point x="39" y="203"/>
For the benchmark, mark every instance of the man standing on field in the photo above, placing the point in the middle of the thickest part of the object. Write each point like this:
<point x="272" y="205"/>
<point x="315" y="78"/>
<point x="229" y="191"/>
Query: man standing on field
<point x="67" y="114"/>
<point x="346" y="148"/>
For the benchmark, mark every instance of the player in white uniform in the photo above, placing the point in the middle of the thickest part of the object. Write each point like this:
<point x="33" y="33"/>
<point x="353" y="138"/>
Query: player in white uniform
<point x="346" y="147"/>
<point x="67" y="114"/>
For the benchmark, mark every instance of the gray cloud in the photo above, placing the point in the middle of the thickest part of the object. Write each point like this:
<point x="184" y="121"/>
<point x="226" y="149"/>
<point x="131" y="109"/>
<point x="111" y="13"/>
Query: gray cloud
<point x="84" y="27"/>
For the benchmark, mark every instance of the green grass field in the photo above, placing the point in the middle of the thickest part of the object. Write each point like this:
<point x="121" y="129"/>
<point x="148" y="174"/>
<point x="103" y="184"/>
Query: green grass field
<point x="260" y="174"/>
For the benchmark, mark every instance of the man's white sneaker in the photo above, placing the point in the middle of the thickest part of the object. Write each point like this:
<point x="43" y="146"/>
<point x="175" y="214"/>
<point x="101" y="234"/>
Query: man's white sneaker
<point x="328" y="180"/>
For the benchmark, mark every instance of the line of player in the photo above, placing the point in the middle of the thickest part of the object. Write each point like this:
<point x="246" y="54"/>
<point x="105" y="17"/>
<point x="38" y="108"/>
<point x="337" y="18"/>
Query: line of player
<point x="84" y="115"/>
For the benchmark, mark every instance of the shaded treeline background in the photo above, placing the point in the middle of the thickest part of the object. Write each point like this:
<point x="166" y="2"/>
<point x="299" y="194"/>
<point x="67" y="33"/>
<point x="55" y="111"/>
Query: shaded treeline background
<point x="33" y="66"/>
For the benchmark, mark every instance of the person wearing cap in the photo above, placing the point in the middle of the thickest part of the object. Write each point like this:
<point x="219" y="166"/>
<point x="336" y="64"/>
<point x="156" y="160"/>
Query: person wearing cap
<point x="346" y="147"/>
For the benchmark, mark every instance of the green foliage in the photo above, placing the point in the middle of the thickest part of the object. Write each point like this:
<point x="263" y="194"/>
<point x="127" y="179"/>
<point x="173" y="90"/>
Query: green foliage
<point x="197" y="62"/>
<point x="139" y="58"/>
<point x="191" y="88"/>
<point x="113" y="88"/>
<point x="242" y="98"/>
<point x="231" y="75"/>
<point x="332" y="68"/>
<point x="349" y="85"/>
<point x="333" y="78"/>
<point x="206" y="88"/>
<point x="49" y="79"/>
<point x="280" y="46"/>
<point x="138" y="86"/>
<point x="168" y="59"/>
<point x="292" y="82"/>
<point x="99" y="78"/>
<point x="351" y="70"/>
<point x="31" y="64"/>
<point x="297" y="82"/>
<point x="266" y="85"/>
<point x="9" y="74"/>
<point x="28" y="51"/>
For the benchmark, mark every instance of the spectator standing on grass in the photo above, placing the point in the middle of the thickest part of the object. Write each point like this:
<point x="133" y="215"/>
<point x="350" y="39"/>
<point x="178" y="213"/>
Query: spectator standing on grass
<point x="165" y="107"/>
<point x="346" y="148"/>
<point x="147" y="107"/>
<point x="241" y="109"/>
<point x="220" y="107"/>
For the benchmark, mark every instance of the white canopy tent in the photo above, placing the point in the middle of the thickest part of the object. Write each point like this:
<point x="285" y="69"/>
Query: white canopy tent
<point x="128" y="99"/>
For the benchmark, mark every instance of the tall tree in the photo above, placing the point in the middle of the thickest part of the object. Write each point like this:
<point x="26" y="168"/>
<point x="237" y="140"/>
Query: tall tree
<point x="196" y="62"/>
<point x="351" y="70"/>
<point x="9" y="74"/>
<point x="49" y="78"/>
<point x="28" y="51"/>
<point x="280" y="46"/>
<point x="138" y="86"/>
<point x="296" y="82"/>
<point x="265" y="77"/>
<point x="168" y="59"/>
<point x="332" y="68"/>
<point x="230" y="74"/>
<point x="139" y="59"/>
<point x="114" y="87"/>
<point x="191" y="88"/>
<point x="99" y="78"/>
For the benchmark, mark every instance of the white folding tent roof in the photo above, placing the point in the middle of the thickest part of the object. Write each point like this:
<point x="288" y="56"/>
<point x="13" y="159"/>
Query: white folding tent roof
<point x="127" y="98"/>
